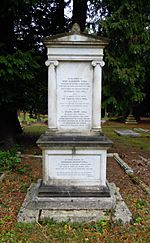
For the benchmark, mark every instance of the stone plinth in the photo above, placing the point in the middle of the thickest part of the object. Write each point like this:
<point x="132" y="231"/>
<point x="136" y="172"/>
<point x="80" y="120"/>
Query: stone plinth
<point x="73" y="209"/>
<point x="76" y="164"/>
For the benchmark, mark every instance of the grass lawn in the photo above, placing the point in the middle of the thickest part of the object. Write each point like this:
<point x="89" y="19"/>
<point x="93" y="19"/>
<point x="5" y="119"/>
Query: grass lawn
<point x="14" y="185"/>
<point x="141" y="143"/>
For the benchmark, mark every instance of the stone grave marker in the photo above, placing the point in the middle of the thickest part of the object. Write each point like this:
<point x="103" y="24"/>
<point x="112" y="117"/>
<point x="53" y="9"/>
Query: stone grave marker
<point x="74" y="148"/>
<point x="139" y="129"/>
<point x="128" y="133"/>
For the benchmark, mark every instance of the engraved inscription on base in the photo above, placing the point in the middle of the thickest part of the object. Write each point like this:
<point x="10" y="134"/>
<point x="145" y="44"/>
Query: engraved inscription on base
<point x="74" y="167"/>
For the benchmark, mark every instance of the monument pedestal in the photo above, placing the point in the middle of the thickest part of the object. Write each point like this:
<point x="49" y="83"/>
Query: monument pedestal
<point x="74" y="185"/>
<point x="73" y="209"/>
<point x="74" y="165"/>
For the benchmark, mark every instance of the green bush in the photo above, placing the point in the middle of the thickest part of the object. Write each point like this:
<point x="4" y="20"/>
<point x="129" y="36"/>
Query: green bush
<point x="9" y="161"/>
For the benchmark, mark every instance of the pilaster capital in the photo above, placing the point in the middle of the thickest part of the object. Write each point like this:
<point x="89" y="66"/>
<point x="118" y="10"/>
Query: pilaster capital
<point x="49" y="62"/>
<point x="98" y="62"/>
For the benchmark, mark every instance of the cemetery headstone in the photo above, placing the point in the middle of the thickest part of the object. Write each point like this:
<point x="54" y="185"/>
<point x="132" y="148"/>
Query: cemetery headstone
<point x="74" y="147"/>
<point x="130" y="119"/>
<point x="74" y="185"/>
<point x="128" y="133"/>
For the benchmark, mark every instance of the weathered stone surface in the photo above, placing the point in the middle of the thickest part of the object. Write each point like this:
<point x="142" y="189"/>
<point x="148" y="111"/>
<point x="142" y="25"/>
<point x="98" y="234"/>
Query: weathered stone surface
<point x="74" y="97"/>
<point x="74" y="148"/>
<point x="68" y="203"/>
<point x="28" y="213"/>
<point x="73" y="209"/>
<point x="74" y="160"/>
<point x="2" y="176"/>
<point x="139" y="129"/>
<point x="129" y="133"/>
<point x="62" y="140"/>
<point x="121" y="211"/>
<point x="75" y="167"/>
<point x="73" y="191"/>
<point x="74" y="215"/>
<point x="124" y="165"/>
<point x="130" y="119"/>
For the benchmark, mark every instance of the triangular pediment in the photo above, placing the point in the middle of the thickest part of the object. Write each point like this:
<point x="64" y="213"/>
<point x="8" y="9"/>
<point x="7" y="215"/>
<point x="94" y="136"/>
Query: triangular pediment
<point x="75" y="36"/>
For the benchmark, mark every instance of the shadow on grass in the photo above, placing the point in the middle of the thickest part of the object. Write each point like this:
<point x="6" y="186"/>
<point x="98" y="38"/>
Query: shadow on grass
<point x="30" y="135"/>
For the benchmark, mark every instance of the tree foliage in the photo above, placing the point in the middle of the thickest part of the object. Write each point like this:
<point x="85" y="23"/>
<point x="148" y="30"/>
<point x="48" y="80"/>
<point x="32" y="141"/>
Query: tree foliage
<point x="18" y="71"/>
<point x="24" y="23"/>
<point x="128" y="29"/>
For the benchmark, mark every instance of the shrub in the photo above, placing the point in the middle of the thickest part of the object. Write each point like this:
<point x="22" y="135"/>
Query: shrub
<point x="9" y="161"/>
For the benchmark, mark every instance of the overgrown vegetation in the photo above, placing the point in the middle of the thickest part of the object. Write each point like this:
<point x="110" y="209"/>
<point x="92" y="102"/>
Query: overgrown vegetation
<point x="10" y="162"/>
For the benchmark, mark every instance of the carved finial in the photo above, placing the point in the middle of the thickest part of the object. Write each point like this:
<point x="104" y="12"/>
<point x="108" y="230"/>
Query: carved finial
<point x="76" y="28"/>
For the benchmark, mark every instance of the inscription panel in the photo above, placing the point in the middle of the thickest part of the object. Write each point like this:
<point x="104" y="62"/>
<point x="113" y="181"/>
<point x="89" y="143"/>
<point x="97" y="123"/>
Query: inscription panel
<point x="74" y="96"/>
<point x="74" y="167"/>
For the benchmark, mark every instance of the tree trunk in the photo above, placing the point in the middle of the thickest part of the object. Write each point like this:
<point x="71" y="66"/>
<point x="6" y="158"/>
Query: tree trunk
<point x="9" y="128"/>
<point x="79" y="13"/>
<point x="61" y="18"/>
<point x="7" y="37"/>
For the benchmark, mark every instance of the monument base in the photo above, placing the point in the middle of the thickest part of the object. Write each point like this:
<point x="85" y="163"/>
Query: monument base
<point x="71" y="162"/>
<point x="72" y="191"/>
<point x="74" y="186"/>
<point x="73" y="209"/>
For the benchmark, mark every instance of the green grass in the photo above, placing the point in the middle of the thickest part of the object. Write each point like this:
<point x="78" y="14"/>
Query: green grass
<point x="139" y="143"/>
<point x="9" y="161"/>
<point x="28" y="120"/>
<point x="101" y="231"/>
<point x="35" y="129"/>
<point x="51" y="231"/>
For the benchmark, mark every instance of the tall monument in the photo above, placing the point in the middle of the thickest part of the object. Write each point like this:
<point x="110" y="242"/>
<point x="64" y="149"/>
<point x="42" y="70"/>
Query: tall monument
<point x="74" y="146"/>
<point x="74" y="185"/>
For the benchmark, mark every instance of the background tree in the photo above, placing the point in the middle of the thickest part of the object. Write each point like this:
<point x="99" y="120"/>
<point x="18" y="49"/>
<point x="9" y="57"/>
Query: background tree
<point x="18" y="69"/>
<point x="23" y="75"/>
<point x="126" y="23"/>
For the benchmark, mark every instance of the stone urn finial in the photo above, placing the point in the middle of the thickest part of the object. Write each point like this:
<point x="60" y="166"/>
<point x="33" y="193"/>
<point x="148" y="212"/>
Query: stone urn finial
<point x="76" y="28"/>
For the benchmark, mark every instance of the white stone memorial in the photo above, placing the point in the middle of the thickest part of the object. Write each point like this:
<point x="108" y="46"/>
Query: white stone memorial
<point x="74" y="147"/>
<point x="75" y="64"/>
<point x="74" y="185"/>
